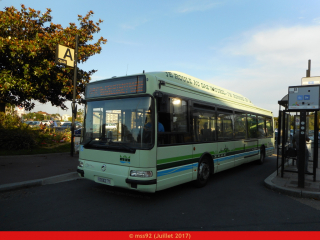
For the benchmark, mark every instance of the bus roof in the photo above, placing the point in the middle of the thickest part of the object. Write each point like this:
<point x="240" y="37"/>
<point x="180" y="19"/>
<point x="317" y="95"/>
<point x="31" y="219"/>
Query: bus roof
<point x="190" y="81"/>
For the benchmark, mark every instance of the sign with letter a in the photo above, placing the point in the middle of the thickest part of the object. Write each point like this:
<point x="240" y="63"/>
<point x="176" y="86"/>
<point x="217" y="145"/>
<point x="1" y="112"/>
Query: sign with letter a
<point x="64" y="55"/>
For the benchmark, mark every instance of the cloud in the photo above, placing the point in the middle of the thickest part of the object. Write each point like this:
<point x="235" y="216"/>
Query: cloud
<point x="281" y="46"/>
<point x="273" y="59"/>
<point x="197" y="5"/>
<point x="317" y="20"/>
<point x="129" y="43"/>
<point x="134" y="24"/>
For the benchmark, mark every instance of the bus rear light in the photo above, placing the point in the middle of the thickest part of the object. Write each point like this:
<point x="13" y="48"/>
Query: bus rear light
<point x="136" y="173"/>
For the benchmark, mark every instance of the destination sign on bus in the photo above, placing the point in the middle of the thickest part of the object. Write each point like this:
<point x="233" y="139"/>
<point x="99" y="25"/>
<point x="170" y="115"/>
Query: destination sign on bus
<point x="119" y="86"/>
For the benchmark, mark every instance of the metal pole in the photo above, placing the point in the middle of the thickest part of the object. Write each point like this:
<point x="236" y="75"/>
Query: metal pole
<point x="283" y="143"/>
<point x="278" y="141"/>
<point x="315" y="146"/>
<point x="302" y="149"/>
<point x="74" y="94"/>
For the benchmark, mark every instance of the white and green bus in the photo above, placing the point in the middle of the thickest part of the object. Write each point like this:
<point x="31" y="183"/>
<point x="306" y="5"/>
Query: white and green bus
<point x="152" y="131"/>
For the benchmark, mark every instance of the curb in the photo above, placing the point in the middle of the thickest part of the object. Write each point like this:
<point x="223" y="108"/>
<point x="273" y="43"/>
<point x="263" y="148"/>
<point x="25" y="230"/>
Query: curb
<point x="35" y="155"/>
<point x="289" y="191"/>
<point x="38" y="182"/>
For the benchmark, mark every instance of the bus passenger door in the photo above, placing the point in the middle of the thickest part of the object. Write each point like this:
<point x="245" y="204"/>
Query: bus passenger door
<point x="225" y="156"/>
<point x="239" y="157"/>
<point x="174" y="157"/>
<point x="226" y="146"/>
<point x="251" y="150"/>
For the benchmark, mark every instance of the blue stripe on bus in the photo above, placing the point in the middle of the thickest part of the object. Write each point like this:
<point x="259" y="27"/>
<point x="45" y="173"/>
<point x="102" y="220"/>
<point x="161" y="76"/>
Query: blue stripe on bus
<point x="235" y="156"/>
<point x="174" y="170"/>
<point x="190" y="166"/>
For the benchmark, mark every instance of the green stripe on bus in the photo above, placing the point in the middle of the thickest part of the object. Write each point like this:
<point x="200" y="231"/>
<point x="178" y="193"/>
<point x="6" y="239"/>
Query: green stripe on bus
<point x="186" y="157"/>
<point x="177" y="163"/>
<point x="174" y="159"/>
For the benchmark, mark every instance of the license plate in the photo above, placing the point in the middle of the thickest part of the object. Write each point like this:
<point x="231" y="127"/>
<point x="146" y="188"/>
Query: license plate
<point x="104" y="180"/>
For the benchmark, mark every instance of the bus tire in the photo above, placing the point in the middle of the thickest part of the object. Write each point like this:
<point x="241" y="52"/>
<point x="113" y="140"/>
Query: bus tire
<point x="203" y="172"/>
<point x="262" y="156"/>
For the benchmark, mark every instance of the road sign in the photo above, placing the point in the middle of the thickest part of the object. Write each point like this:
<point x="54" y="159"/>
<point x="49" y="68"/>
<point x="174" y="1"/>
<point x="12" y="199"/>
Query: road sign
<point x="304" y="97"/>
<point x="64" y="55"/>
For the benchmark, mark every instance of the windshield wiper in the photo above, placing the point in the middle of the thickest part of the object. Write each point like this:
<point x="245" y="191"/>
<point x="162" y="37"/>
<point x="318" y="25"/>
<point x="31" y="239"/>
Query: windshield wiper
<point x="104" y="138"/>
<point x="88" y="143"/>
<point x="100" y="139"/>
<point x="130" y="149"/>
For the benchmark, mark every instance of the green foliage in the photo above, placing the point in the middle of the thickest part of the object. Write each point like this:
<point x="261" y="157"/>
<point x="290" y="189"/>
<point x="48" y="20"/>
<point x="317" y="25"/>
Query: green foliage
<point x="28" y="71"/>
<point x="34" y="116"/>
<point x="16" y="135"/>
<point x="80" y="115"/>
<point x="10" y="121"/>
<point x="50" y="138"/>
<point x="17" y="138"/>
<point x="57" y="149"/>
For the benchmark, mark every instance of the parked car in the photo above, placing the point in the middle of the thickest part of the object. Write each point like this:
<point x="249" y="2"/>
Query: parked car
<point x="311" y="137"/>
<point x="34" y="124"/>
<point x="46" y="122"/>
<point x="77" y="132"/>
<point x="62" y="123"/>
<point x="68" y="125"/>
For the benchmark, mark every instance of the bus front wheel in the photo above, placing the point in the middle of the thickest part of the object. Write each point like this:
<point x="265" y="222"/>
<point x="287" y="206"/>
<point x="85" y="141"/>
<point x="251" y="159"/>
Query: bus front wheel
<point x="203" y="173"/>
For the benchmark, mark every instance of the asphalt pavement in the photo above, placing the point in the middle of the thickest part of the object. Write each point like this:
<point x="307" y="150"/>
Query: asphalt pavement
<point x="35" y="170"/>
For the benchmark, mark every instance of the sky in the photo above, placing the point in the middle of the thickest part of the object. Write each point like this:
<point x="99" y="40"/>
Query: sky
<point x="255" y="48"/>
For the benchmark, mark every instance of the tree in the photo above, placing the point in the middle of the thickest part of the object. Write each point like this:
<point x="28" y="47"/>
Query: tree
<point x="28" y="116"/>
<point x="80" y="115"/>
<point x="56" y="115"/>
<point x="28" y="71"/>
<point x="275" y="122"/>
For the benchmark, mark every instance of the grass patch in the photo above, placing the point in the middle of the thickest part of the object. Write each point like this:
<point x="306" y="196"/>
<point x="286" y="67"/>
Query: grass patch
<point x="59" y="148"/>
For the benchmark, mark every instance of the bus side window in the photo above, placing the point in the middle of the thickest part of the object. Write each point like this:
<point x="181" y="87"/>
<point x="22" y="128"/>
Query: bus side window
<point x="252" y="126"/>
<point x="240" y="125"/>
<point x="261" y="127"/>
<point x="179" y="111"/>
<point x="175" y="122"/>
<point x="225" y="125"/>
<point x="204" y="125"/>
<point x="269" y="128"/>
<point x="164" y="119"/>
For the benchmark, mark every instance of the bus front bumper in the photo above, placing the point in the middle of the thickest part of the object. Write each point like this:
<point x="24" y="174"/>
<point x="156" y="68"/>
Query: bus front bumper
<point x="117" y="177"/>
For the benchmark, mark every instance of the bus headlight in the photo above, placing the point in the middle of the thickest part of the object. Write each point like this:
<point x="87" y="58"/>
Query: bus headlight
<point x="80" y="163"/>
<point x="136" y="173"/>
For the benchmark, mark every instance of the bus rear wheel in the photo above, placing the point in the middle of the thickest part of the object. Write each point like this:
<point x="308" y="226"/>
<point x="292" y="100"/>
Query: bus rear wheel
<point x="203" y="172"/>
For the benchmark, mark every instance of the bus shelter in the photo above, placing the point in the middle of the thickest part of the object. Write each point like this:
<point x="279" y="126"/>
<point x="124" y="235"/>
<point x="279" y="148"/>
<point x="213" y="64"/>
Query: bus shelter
<point x="298" y="119"/>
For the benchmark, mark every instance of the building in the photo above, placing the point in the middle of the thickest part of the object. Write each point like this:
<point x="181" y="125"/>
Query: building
<point x="65" y="117"/>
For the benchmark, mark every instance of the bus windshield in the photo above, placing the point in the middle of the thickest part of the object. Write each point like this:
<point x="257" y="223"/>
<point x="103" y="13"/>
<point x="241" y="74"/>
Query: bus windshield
<point x="119" y="124"/>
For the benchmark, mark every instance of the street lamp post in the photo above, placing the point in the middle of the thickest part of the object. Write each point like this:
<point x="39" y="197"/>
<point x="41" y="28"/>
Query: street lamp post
<point x="74" y="109"/>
